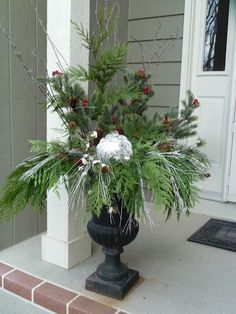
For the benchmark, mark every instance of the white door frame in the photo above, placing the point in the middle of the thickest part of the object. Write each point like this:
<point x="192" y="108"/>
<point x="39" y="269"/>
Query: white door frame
<point x="188" y="32"/>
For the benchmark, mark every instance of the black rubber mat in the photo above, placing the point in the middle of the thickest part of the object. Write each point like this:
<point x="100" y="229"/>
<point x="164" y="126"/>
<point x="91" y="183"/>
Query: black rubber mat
<point x="218" y="233"/>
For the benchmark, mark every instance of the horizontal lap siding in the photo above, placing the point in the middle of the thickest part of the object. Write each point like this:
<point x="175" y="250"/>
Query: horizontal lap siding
<point x="145" y="18"/>
<point x="6" y="229"/>
<point x="21" y="117"/>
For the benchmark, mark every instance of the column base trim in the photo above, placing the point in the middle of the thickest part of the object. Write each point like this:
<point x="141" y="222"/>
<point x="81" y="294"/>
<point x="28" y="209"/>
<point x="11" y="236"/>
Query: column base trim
<point x="66" y="254"/>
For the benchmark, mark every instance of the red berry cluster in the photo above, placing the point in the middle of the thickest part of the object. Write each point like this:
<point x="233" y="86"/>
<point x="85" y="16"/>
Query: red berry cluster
<point x="196" y="102"/>
<point x="146" y="90"/>
<point x="73" y="101"/>
<point x="142" y="75"/>
<point x="84" y="102"/>
<point x="57" y="73"/>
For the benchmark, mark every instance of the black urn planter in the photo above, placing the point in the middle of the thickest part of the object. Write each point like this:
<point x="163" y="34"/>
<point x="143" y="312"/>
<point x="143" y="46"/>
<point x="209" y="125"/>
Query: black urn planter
<point x="112" y="278"/>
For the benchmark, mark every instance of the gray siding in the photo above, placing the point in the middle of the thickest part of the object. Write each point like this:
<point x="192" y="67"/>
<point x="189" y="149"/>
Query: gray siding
<point x="21" y="117"/>
<point x="145" y="17"/>
<point x="123" y="17"/>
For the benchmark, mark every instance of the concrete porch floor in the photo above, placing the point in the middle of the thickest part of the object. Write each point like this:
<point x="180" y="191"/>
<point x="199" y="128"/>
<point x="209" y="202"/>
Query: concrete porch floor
<point x="177" y="276"/>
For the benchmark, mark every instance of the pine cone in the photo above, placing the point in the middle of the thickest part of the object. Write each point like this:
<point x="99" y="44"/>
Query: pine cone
<point x="164" y="148"/>
<point x="72" y="125"/>
<point x="114" y="118"/>
<point x="99" y="136"/>
<point x="72" y="101"/>
<point x="167" y="120"/>
<point x="142" y="74"/>
<point x="105" y="169"/>
<point x="120" y="130"/>
<point x="78" y="162"/>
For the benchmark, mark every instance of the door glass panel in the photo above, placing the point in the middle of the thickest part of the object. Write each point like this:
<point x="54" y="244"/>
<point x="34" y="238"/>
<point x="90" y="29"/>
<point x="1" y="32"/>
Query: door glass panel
<point x="216" y="35"/>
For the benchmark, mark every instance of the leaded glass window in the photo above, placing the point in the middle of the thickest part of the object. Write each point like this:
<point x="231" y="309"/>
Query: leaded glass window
<point x="214" y="57"/>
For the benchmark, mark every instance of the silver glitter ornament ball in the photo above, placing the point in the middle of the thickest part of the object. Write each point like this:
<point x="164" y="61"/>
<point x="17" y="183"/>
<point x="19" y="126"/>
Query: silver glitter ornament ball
<point x="114" y="146"/>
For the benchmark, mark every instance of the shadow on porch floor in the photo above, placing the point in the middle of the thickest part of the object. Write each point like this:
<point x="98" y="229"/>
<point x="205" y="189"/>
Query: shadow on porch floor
<point x="177" y="276"/>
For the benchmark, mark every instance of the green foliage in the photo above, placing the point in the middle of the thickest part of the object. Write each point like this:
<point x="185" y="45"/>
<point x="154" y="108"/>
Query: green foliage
<point x="38" y="147"/>
<point x="139" y="128"/>
<point x="159" y="162"/>
<point x="170" y="177"/>
<point x="28" y="184"/>
<point x="157" y="179"/>
<point x="106" y="22"/>
<point x="94" y="200"/>
<point x="79" y="73"/>
<point x="184" y="125"/>
<point x="123" y="95"/>
<point x="107" y="60"/>
<point x="126" y="184"/>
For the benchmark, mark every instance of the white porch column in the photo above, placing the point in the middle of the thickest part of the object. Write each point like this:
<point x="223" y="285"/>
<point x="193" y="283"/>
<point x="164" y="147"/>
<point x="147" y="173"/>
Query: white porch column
<point x="66" y="242"/>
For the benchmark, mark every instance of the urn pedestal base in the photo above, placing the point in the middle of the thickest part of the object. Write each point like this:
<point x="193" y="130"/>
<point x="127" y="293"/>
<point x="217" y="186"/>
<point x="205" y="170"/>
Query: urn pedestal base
<point x="111" y="289"/>
<point x="112" y="277"/>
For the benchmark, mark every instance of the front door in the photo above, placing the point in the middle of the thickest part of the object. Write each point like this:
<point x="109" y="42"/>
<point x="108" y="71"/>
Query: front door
<point x="207" y="70"/>
<point x="231" y="195"/>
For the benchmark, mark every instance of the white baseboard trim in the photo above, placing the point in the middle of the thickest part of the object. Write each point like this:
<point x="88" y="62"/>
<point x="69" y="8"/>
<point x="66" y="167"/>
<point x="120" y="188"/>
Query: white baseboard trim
<point x="66" y="254"/>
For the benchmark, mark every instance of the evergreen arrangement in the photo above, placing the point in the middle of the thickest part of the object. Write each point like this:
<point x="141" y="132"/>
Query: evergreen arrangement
<point x="160" y="161"/>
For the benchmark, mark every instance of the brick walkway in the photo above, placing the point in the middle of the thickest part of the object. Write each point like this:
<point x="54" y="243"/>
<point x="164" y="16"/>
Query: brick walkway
<point x="49" y="295"/>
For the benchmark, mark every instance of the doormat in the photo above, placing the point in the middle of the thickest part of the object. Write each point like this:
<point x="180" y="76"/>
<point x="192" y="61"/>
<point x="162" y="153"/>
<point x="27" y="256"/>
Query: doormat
<point x="218" y="233"/>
